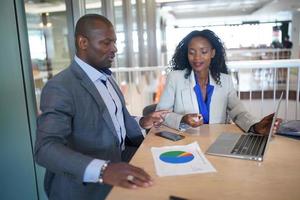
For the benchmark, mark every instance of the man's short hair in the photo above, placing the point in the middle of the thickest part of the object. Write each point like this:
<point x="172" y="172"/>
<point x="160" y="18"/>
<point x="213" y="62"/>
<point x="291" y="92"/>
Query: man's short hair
<point x="86" y="23"/>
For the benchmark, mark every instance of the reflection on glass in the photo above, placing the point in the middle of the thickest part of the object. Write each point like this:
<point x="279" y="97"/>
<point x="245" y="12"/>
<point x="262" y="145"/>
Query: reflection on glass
<point x="93" y="6"/>
<point x="47" y="32"/>
<point x="120" y="60"/>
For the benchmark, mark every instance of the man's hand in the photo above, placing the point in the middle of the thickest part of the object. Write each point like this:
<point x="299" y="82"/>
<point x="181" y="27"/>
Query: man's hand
<point x="194" y="120"/>
<point x="153" y="119"/>
<point x="126" y="176"/>
<point x="263" y="127"/>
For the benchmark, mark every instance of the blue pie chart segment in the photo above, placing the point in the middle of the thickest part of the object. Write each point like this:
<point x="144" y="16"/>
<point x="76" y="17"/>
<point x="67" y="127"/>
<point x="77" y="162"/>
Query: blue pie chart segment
<point x="176" y="157"/>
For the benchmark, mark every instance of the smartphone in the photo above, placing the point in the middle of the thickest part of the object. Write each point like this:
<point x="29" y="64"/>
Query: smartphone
<point x="176" y="198"/>
<point x="170" y="136"/>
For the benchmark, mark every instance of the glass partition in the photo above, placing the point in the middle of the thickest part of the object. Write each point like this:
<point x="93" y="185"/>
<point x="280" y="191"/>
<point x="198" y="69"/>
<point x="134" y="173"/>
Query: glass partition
<point x="93" y="6"/>
<point x="47" y="32"/>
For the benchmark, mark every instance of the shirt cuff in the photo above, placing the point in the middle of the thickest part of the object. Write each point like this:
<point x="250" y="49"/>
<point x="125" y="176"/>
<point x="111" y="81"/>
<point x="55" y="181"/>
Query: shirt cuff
<point x="183" y="126"/>
<point x="137" y="119"/>
<point x="92" y="171"/>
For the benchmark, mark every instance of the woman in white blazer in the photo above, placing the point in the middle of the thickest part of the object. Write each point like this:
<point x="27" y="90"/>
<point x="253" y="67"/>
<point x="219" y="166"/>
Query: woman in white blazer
<point x="199" y="90"/>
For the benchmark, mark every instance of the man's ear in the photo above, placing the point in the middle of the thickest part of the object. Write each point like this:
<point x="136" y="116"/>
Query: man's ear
<point x="82" y="42"/>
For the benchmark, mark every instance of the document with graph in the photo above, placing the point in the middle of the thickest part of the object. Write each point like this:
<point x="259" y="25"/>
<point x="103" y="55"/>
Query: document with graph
<point x="180" y="160"/>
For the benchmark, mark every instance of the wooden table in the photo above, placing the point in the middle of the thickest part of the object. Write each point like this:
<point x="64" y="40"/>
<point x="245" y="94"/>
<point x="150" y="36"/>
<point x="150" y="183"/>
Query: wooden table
<point x="277" y="177"/>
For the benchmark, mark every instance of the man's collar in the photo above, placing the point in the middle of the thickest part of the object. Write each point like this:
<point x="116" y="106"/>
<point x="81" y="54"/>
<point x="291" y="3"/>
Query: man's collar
<point x="106" y="71"/>
<point x="93" y="73"/>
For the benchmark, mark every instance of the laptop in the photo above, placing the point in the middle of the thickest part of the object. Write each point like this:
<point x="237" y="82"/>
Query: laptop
<point x="247" y="146"/>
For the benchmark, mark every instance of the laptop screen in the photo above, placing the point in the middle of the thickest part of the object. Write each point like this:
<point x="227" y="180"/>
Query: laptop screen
<point x="273" y="121"/>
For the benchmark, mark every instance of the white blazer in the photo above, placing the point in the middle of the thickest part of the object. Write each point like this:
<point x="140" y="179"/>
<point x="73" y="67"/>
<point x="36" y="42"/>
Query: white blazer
<point x="179" y="96"/>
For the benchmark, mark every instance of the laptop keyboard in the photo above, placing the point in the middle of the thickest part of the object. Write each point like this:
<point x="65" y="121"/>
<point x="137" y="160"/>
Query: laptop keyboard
<point x="248" y="145"/>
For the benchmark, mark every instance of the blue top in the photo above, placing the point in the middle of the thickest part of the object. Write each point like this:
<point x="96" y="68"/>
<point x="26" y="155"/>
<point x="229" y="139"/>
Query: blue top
<point x="204" y="105"/>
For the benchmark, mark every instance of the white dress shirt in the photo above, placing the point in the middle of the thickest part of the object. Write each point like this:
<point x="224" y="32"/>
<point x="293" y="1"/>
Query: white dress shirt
<point x="114" y="106"/>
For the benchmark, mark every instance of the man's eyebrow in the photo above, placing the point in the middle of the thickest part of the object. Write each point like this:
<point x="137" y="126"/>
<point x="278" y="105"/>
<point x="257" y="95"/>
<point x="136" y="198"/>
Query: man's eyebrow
<point x="109" y="39"/>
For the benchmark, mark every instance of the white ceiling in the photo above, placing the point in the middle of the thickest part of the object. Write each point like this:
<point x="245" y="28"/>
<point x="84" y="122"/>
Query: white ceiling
<point x="253" y="9"/>
<point x="180" y="10"/>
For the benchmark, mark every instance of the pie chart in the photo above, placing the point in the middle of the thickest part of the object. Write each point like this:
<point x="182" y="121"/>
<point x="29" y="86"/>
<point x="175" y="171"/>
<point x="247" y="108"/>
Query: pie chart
<point x="176" y="157"/>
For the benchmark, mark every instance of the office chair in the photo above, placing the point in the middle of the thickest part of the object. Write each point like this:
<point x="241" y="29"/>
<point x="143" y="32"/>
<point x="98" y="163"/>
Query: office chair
<point x="149" y="109"/>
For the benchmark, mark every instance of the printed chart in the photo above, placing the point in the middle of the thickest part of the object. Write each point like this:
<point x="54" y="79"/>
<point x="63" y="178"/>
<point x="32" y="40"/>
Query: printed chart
<point x="176" y="157"/>
<point x="180" y="160"/>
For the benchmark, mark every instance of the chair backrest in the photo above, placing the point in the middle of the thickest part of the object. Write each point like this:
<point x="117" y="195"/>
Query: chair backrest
<point x="149" y="109"/>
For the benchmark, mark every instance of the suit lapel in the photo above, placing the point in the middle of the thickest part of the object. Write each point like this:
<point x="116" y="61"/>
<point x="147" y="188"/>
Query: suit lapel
<point x="117" y="89"/>
<point x="88" y="85"/>
<point x="191" y="84"/>
<point x="214" y="103"/>
<point x="188" y="96"/>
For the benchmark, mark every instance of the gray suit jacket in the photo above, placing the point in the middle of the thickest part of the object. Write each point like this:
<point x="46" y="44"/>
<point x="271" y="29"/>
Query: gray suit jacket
<point x="179" y="96"/>
<point x="74" y="128"/>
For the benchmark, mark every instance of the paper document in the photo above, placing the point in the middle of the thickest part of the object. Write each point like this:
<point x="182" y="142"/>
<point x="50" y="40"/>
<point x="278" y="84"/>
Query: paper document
<point x="180" y="160"/>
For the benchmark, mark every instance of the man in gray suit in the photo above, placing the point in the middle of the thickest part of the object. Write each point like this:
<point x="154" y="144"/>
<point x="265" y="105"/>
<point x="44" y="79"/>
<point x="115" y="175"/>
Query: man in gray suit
<point x="85" y="128"/>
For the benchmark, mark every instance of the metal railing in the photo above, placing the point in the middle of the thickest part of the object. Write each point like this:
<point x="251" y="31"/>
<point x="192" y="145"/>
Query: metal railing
<point x="258" y="83"/>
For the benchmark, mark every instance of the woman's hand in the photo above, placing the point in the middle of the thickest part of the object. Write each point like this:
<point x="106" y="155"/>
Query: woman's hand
<point x="263" y="127"/>
<point x="194" y="119"/>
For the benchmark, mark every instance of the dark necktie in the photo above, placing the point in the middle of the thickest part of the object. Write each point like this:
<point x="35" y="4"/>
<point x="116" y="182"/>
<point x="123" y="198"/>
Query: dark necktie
<point x="104" y="82"/>
<point x="106" y="71"/>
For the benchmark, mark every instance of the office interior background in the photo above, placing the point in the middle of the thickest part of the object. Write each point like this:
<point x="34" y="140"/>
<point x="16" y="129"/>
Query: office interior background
<point x="37" y="43"/>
